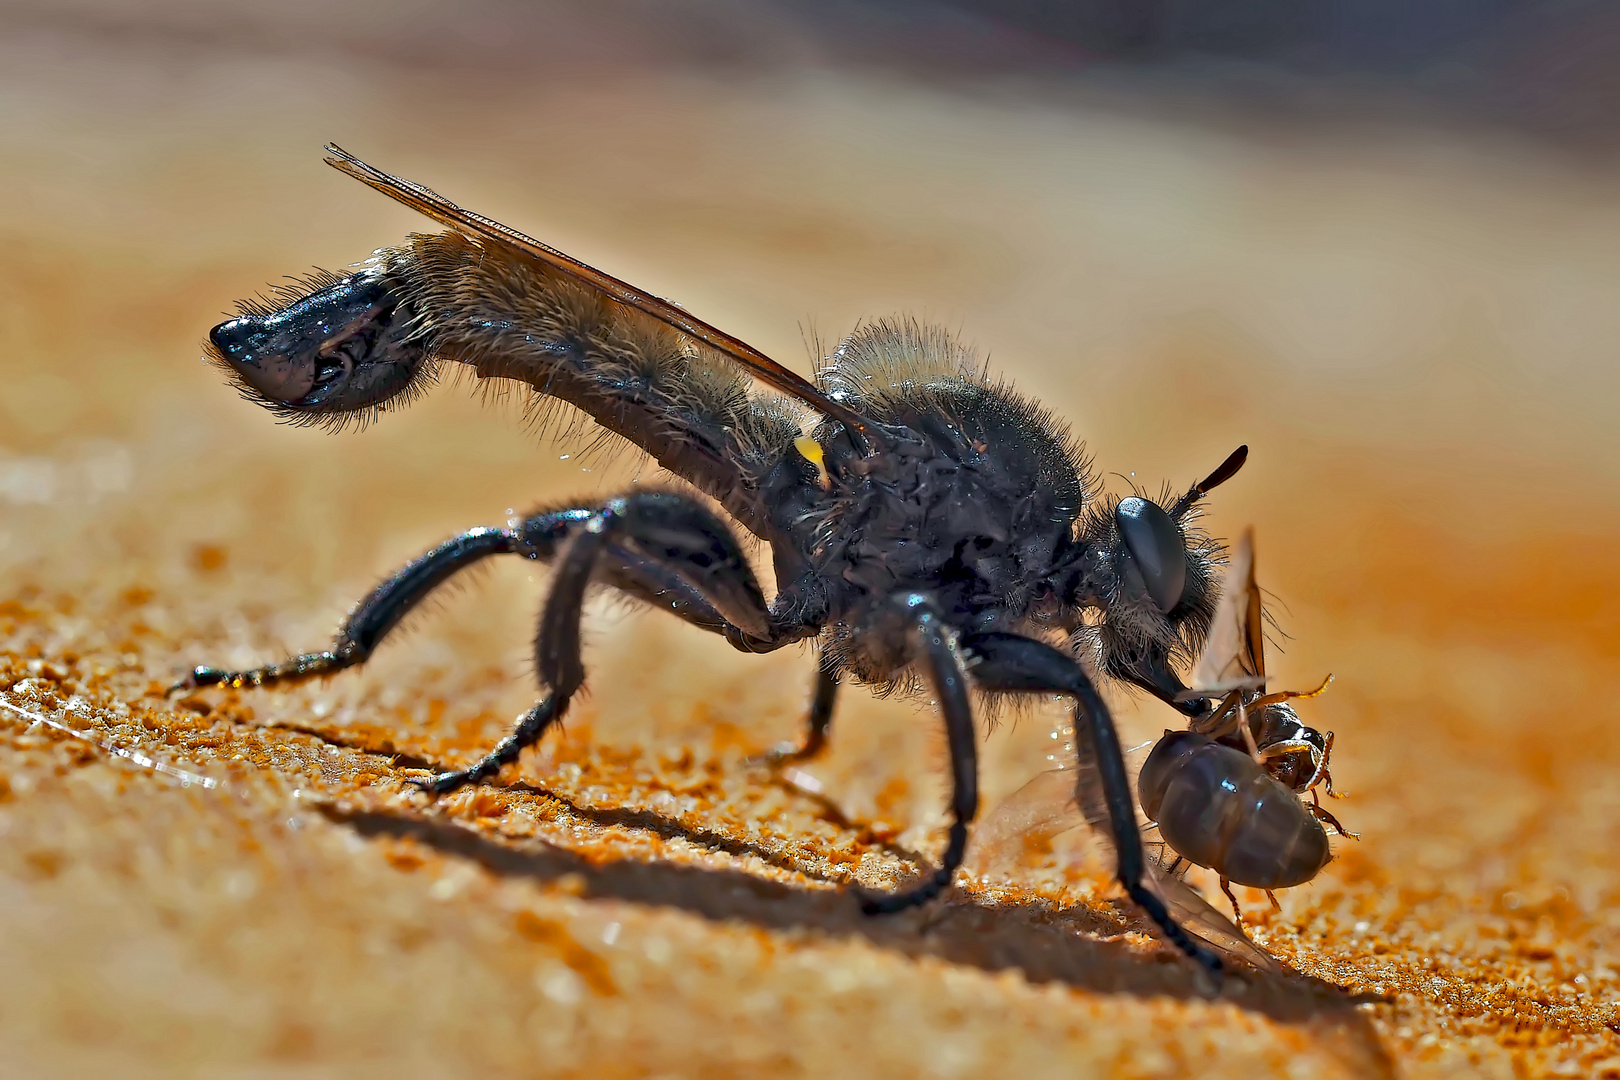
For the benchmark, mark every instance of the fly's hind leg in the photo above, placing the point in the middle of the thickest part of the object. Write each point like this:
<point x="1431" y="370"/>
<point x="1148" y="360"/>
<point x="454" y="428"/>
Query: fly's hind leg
<point x="663" y="548"/>
<point x="374" y="617"/>
<point x="641" y="540"/>
<point x="539" y="537"/>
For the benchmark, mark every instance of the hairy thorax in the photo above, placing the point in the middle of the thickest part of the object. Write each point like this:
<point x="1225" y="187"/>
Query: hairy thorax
<point x="959" y="505"/>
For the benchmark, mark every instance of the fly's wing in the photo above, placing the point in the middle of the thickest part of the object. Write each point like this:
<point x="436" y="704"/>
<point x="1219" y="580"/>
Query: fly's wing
<point x="1234" y="654"/>
<point x="1047" y="806"/>
<point x="488" y="231"/>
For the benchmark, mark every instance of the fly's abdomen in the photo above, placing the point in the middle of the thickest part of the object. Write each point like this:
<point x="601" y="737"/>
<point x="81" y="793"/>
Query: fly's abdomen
<point x="511" y="318"/>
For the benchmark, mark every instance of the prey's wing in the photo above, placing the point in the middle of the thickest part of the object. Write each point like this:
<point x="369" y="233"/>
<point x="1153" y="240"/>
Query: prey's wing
<point x="1025" y="820"/>
<point x="1235" y="652"/>
<point x="1198" y="918"/>
<point x="486" y="230"/>
<point x="1190" y="909"/>
<point x="1047" y="806"/>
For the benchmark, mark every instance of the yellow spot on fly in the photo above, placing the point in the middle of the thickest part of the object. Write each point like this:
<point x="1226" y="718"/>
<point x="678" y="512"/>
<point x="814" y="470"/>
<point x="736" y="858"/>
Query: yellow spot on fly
<point x="815" y="455"/>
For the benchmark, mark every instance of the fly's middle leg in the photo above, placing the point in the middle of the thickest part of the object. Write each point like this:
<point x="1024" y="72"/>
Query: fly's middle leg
<point x="817" y="723"/>
<point x="934" y="645"/>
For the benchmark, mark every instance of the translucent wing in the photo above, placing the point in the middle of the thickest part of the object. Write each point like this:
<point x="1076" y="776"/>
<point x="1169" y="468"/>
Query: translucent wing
<point x="1046" y="807"/>
<point x="1026" y="820"/>
<point x="447" y="213"/>
<point x="1234" y="655"/>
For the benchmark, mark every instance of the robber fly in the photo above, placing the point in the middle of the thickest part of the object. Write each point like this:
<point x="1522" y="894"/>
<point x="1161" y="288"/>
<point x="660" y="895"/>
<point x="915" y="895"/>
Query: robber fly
<point x="928" y="526"/>
<point x="1226" y="793"/>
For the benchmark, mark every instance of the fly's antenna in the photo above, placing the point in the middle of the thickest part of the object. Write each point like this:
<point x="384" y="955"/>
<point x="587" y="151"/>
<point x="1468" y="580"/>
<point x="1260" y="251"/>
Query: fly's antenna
<point x="1223" y="472"/>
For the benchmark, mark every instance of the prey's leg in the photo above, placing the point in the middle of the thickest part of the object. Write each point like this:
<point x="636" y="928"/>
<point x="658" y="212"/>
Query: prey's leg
<point x="1237" y="912"/>
<point x="934" y="645"/>
<point x="1326" y="817"/>
<point x="674" y="533"/>
<point x="1013" y="664"/>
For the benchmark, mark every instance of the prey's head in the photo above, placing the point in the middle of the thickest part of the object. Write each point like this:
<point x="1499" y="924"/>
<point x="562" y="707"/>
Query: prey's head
<point x="1148" y="576"/>
<point x="328" y="350"/>
<point x="1296" y="756"/>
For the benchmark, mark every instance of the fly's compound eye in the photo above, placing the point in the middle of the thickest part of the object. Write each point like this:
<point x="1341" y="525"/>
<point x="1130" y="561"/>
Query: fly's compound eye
<point x="1157" y="548"/>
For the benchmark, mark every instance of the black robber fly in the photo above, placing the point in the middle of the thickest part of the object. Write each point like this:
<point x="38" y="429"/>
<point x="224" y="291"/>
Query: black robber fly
<point x="928" y="526"/>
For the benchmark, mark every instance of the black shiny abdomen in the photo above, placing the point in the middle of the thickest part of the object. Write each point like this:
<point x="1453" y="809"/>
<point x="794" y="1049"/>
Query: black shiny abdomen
<point x="1218" y="808"/>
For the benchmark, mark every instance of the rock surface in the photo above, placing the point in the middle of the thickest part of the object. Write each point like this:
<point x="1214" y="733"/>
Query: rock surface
<point x="1413" y="331"/>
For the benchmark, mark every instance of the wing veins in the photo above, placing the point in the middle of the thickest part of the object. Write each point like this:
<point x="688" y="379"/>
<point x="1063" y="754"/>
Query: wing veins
<point x="431" y="204"/>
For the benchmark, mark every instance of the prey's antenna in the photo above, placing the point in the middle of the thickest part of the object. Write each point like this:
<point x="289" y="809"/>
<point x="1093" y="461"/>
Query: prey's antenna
<point x="1223" y="472"/>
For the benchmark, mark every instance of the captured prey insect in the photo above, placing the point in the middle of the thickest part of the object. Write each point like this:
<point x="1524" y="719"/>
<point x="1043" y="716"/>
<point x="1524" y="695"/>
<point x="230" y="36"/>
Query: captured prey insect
<point x="1224" y="794"/>
<point x="928" y="526"/>
<point x="1059" y="800"/>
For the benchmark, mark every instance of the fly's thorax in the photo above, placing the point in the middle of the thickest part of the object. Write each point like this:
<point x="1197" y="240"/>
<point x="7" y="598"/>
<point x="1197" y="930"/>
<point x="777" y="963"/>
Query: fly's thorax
<point x="969" y="491"/>
<point x="927" y="511"/>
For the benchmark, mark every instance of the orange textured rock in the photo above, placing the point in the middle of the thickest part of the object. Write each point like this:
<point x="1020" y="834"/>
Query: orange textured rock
<point x="1417" y="346"/>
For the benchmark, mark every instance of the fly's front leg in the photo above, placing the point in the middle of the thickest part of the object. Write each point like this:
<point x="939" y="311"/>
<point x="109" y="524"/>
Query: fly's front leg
<point x="643" y="540"/>
<point x="1013" y="664"/>
<point x="934" y="645"/>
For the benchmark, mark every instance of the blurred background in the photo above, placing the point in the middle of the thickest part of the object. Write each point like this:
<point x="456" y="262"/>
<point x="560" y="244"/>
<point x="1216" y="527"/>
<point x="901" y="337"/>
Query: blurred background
<point x="1378" y="242"/>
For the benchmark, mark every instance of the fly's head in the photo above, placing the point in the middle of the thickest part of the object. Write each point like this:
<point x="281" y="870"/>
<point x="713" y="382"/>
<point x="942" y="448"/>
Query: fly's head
<point x="327" y="351"/>
<point x="1148" y="582"/>
<point x="1141" y="582"/>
